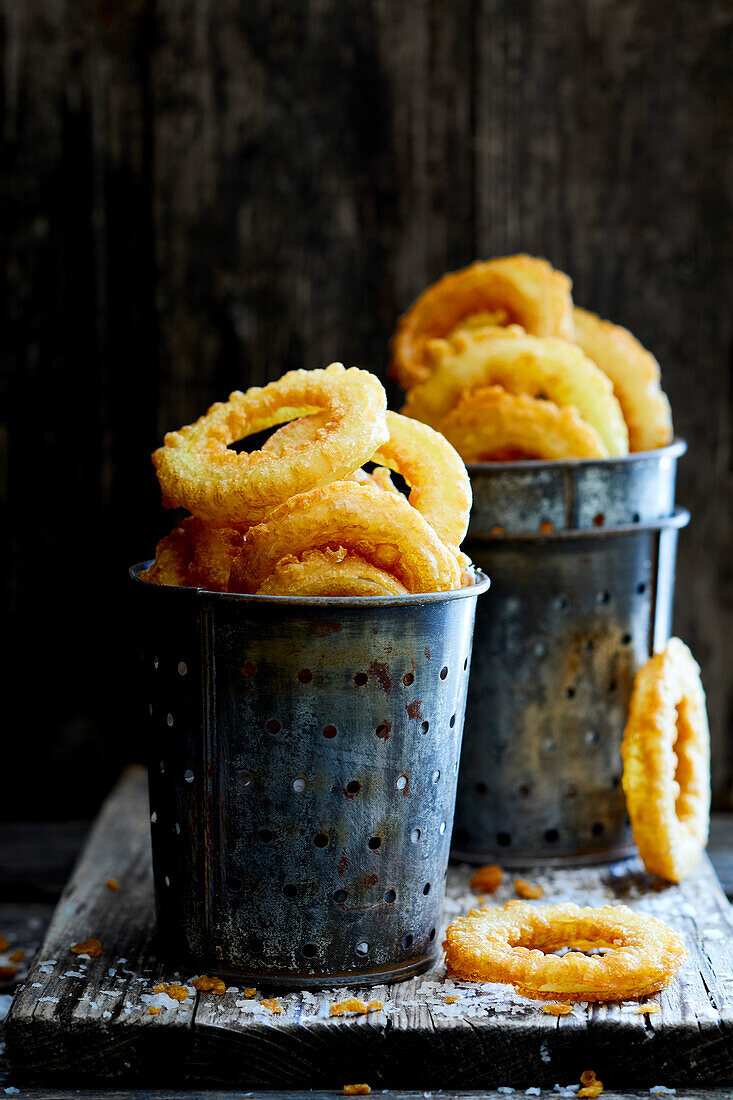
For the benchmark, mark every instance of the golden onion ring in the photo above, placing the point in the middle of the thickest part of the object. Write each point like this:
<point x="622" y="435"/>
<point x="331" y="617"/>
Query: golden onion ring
<point x="197" y="469"/>
<point x="514" y="946"/>
<point x="490" y="421"/>
<point x="329" y="573"/>
<point x="439" y="486"/>
<point x="304" y="430"/>
<point x="380" y="527"/>
<point x="524" y="289"/>
<point x="547" y="367"/>
<point x="666" y="754"/>
<point x="635" y="375"/>
<point x="196" y="555"/>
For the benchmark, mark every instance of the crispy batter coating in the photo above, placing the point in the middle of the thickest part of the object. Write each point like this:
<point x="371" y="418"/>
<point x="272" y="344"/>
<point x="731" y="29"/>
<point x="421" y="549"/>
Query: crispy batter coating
<point x="354" y="1005"/>
<point x="196" y="555"/>
<point x="547" y="367"/>
<point x="92" y="948"/>
<point x="521" y="289"/>
<point x="666" y="754"/>
<point x="380" y="527"/>
<point x="174" y="990"/>
<point x="357" y="1090"/>
<point x="515" y="945"/>
<point x="590" y="1086"/>
<point x="205" y="984"/>
<point x="635" y="375"/>
<point x="490" y="424"/>
<point x="557" y="1009"/>
<point x="274" y="1006"/>
<point x="487" y="879"/>
<point x="527" y="890"/>
<point x="199" y="471"/>
<point x="329" y="573"/>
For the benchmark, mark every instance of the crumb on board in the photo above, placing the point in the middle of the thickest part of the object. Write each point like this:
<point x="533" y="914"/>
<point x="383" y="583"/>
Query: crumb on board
<point x="354" y="1005"/>
<point x="154" y="1010"/>
<point x="205" y="984"/>
<point x="7" y="972"/>
<point x="112" y="884"/>
<point x="452" y="1000"/>
<point x="557" y="1009"/>
<point x="645" y="1010"/>
<point x="527" y="890"/>
<point x="357" y="1090"/>
<point x="4" y="944"/>
<point x="273" y="1005"/>
<point x="174" y="990"/>
<point x="590" y="1086"/>
<point x="249" y="993"/>
<point x="17" y="956"/>
<point x="92" y="948"/>
<point x="487" y="879"/>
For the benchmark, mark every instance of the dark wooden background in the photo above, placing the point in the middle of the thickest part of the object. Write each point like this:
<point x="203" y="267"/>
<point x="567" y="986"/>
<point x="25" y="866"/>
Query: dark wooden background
<point x="200" y="195"/>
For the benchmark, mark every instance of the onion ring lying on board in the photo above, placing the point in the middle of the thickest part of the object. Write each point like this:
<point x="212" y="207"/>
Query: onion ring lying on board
<point x="197" y="469"/>
<point x="329" y="573"/>
<point x="195" y="555"/>
<point x="380" y="527"/>
<point x="666" y="754"/>
<point x="489" y="421"/>
<point x="636" y="378"/>
<point x="549" y="367"/>
<point x="514" y="946"/>
<point x="525" y="289"/>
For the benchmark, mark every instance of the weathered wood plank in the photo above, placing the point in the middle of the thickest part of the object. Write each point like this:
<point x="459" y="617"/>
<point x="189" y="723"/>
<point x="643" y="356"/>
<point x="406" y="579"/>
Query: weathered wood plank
<point x="91" y="1016"/>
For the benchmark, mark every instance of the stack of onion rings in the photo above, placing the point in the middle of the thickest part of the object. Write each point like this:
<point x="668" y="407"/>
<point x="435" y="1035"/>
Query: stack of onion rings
<point x="301" y="516"/>
<point x="442" y="339"/>
<point x="514" y="945"/>
<point x="666" y="754"/>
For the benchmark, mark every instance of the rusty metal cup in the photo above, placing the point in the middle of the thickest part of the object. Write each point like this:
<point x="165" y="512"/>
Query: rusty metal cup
<point x="576" y="608"/>
<point x="303" y="763"/>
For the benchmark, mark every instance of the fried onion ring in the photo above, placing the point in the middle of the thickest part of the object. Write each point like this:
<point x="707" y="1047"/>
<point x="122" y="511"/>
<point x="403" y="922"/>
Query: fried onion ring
<point x="197" y="469"/>
<point x="514" y="946"/>
<point x="490" y="421"/>
<point x="666" y="754"/>
<point x="439" y="486"/>
<point x="329" y="573"/>
<point x="195" y="555"/>
<point x="304" y="430"/>
<point x="636" y="378"/>
<point x="549" y="367"/>
<point x="523" y="289"/>
<point x="380" y="527"/>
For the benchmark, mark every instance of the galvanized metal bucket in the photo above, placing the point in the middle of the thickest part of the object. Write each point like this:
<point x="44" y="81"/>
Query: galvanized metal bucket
<point x="304" y="755"/>
<point x="575" y="611"/>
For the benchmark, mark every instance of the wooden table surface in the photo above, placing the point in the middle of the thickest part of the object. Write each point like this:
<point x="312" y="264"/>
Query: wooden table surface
<point x="35" y="860"/>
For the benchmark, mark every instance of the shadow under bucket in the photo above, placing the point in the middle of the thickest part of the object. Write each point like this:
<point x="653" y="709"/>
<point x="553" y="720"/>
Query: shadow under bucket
<point x="303" y="765"/>
<point x="575" y="611"/>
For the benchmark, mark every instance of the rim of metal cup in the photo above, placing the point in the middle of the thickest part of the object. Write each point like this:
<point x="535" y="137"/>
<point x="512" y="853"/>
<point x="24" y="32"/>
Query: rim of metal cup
<point x="679" y="519"/>
<point x="481" y="584"/>
<point x="675" y="449"/>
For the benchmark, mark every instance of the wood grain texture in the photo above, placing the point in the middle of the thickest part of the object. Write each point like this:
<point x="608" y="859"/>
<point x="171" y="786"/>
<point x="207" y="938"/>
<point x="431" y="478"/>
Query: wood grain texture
<point x="91" y="1017"/>
<point x="199" y="196"/>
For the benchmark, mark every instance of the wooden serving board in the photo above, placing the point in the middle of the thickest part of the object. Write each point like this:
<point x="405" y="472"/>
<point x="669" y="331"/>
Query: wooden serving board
<point x="89" y="1018"/>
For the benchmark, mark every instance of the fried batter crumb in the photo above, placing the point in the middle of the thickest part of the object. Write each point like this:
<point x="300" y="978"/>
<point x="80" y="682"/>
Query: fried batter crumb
<point x="527" y="890"/>
<point x="17" y="956"/>
<point x="4" y="945"/>
<point x="249" y="993"/>
<point x="273" y="1005"/>
<point x="112" y="884"/>
<point x="353" y="1004"/>
<point x="590" y="1085"/>
<point x="641" y="1010"/>
<point x="452" y="1000"/>
<point x="174" y="990"/>
<point x="546" y="527"/>
<point x="487" y="879"/>
<point x="92" y="948"/>
<point x="205" y="984"/>
<point x="557" y="1009"/>
<point x="7" y="972"/>
<point x="356" y="1090"/>
<point x="154" y="1011"/>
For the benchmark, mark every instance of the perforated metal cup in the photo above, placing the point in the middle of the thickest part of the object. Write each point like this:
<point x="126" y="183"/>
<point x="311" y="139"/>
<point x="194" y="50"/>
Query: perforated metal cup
<point x="575" y="611"/>
<point x="304" y="755"/>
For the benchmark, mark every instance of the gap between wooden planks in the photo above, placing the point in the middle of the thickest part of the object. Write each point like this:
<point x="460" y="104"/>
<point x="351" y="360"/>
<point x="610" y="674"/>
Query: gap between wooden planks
<point x="85" y="1019"/>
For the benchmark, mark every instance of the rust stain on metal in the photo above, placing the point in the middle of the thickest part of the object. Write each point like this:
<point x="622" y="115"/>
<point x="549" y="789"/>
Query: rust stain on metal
<point x="427" y="651"/>
<point x="371" y="880"/>
<point x="322" y="630"/>
<point x="383" y="731"/>
<point x="414" y="709"/>
<point x="381" y="674"/>
<point x="343" y="864"/>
